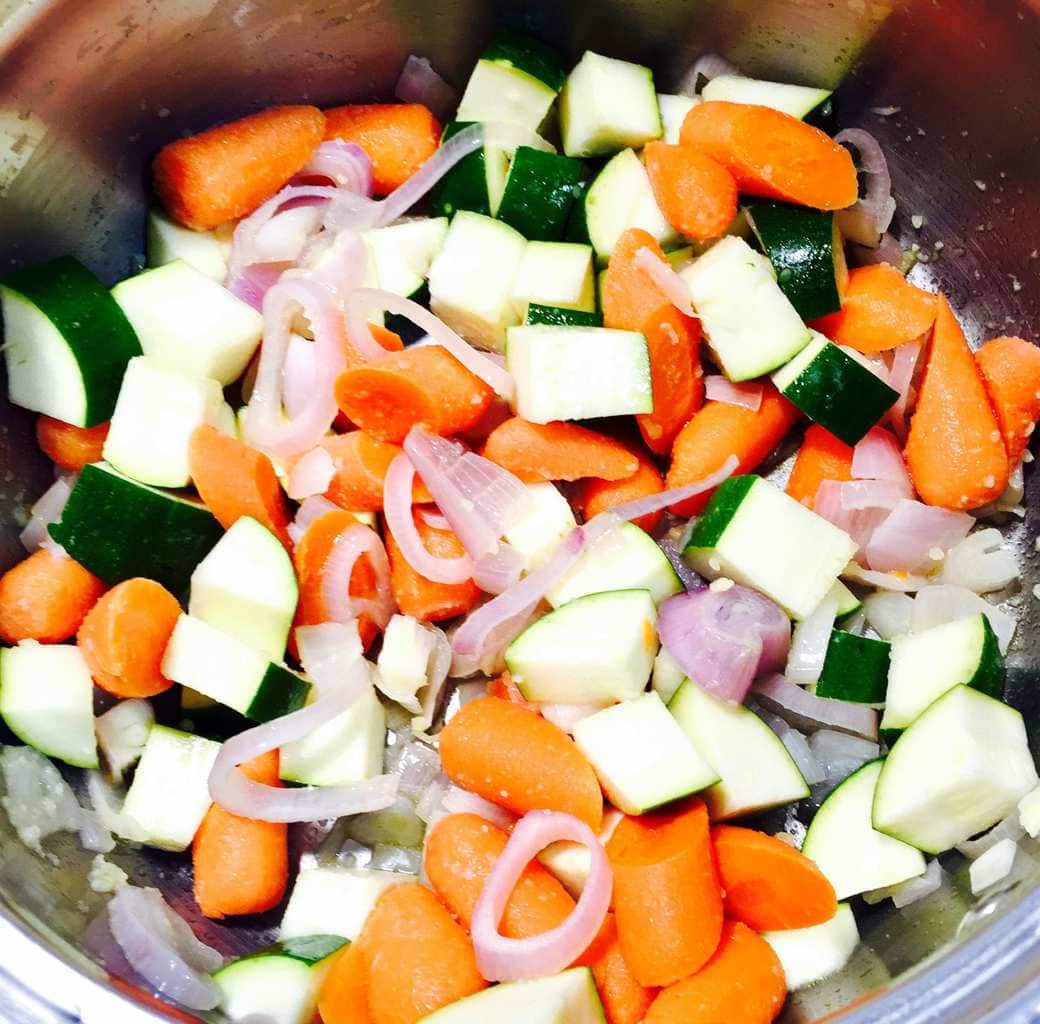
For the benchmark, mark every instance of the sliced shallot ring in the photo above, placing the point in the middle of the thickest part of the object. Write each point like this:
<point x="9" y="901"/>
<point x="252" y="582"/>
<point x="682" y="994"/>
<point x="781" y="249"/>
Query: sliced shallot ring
<point x="504" y="959"/>
<point x="747" y="395"/>
<point x="661" y="273"/>
<point x="353" y="542"/>
<point x="397" y="510"/>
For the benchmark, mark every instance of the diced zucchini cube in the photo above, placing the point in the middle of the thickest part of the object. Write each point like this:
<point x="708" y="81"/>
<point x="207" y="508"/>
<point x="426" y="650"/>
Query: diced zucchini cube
<point x="673" y="112"/>
<point x="555" y="274"/>
<point x="547" y="519"/>
<point x="206" y="251"/>
<point x="333" y="901"/>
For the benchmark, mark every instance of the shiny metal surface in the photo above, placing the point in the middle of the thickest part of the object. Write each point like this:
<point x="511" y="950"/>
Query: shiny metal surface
<point x="89" y="88"/>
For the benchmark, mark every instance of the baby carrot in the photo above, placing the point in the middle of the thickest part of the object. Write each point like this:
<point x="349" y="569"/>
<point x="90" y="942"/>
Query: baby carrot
<point x="696" y="194"/>
<point x="503" y="686"/>
<point x="343" y="997"/>
<point x="880" y="310"/>
<point x="821" y="457"/>
<point x="383" y="336"/>
<point x="241" y="866"/>
<point x="361" y="462"/>
<point x="426" y="385"/>
<point x="397" y="137"/>
<point x="667" y="899"/>
<point x="624" y="1000"/>
<point x="743" y="983"/>
<point x="68" y="446"/>
<point x="45" y="597"/>
<point x="227" y="171"/>
<point x="1011" y="372"/>
<point x="417" y="956"/>
<point x="557" y="451"/>
<point x="769" y="885"/>
<point x="719" y="430"/>
<point x="595" y="496"/>
<point x="954" y="450"/>
<point x="124" y="636"/>
<point x="235" y="480"/>
<point x="309" y="558"/>
<point x="515" y="758"/>
<point x="773" y="154"/>
<point x="419" y="597"/>
<point x="629" y="296"/>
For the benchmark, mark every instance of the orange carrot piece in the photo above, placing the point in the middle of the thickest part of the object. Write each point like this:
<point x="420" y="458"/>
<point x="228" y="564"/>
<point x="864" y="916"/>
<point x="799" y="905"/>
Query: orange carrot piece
<point x="880" y="310"/>
<point x="515" y="758"/>
<point x="426" y="385"/>
<point x="241" y="866"/>
<point x="624" y="1000"/>
<point x="696" y="194"/>
<point x="667" y="898"/>
<point x="382" y="336"/>
<point x="537" y="452"/>
<point x="774" y="155"/>
<point x="68" y="446"/>
<point x="45" y="597"/>
<point x="361" y="462"/>
<point x="417" y="956"/>
<point x="821" y="457"/>
<point x="720" y="430"/>
<point x="769" y="885"/>
<point x="309" y="557"/>
<point x="124" y="636"/>
<point x="1011" y="371"/>
<point x="595" y="496"/>
<point x="419" y="597"/>
<point x="743" y="983"/>
<point x="954" y="450"/>
<point x="503" y="687"/>
<point x="227" y="171"/>
<point x="629" y="297"/>
<point x="343" y="997"/>
<point x="397" y="137"/>
<point x="235" y="480"/>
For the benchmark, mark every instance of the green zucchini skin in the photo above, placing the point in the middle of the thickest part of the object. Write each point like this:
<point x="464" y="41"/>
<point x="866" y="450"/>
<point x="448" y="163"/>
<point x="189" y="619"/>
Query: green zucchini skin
<point x="538" y="314"/>
<point x="464" y="187"/>
<point x="539" y="194"/>
<point x="855" y="669"/>
<point x="529" y="55"/>
<point x="806" y="252"/>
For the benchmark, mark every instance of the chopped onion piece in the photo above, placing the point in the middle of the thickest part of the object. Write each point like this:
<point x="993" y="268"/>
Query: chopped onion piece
<point x="809" y="643"/>
<point x="707" y="66"/>
<point x="1009" y="828"/>
<point x="355" y="541"/>
<point x="162" y="949"/>
<point x="416" y="764"/>
<point x="901" y="582"/>
<point x="856" y="495"/>
<point x="38" y="801"/>
<point x="722" y="639"/>
<point x="806" y="711"/>
<point x="462" y="801"/>
<point x="942" y="603"/>
<point x="913" y="889"/>
<point x="47" y="509"/>
<point x="993" y="866"/>
<point x="434" y="520"/>
<point x="567" y="716"/>
<point x="879" y="457"/>
<point x="110" y="814"/>
<point x="504" y="959"/>
<point x="859" y="524"/>
<point x="311" y="474"/>
<point x="667" y="280"/>
<point x="868" y="220"/>
<point x="437" y="676"/>
<point x="911" y="533"/>
<point x="981" y="562"/>
<point x="311" y="509"/>
<point x="900" y="377"/>
<point x="718" y="388"/>
<point x="344" y="164"/>
<point x="419" y="83"/>
<point x="797" y="746"/>
<point x="397" y="510"/>
<point x="839" y="754"/>
<point x="122" y="732"/>
<point x="429" y="806"/>
<point x="889" y="614"/>
<point x="496" y="572"/>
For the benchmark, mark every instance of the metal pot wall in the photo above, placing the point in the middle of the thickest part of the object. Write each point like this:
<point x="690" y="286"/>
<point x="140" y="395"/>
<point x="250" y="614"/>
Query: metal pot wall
<point x="89" y="88"/>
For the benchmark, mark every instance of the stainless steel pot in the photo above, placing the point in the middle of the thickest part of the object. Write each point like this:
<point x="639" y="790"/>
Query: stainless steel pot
<point x="89" y="88"/>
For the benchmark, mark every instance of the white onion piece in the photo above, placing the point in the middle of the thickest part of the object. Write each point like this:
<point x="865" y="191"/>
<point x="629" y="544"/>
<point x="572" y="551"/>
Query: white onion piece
<point x="903" y="583"/>
<point x="46" y="510"/>
<point x="311" y="474"/>
<point x="265" y="425"/>
<point x="707" y="66"/>
<point x="329" y="650"/>
<point x="299" y="375"/>
<point x="499" y="570"/>
<point x="462" y="801"/>
<point x="567" y="716"/>
<point x="797" y="746"/>
<point x="911" y="533"/>
<point x="993" y="866"/>
<point x="900" y="377"/>
<point x="889" y="614"/>
<point x="859" y="524"/>
<point x="162" y="949"/>
<point x="868" y="220"/>
<point x="856" y="495"/>
<point x="981" y="562"/>
<point x="397" y="510"/>
<point x="122" y="732"/>
<point x="503" y="959"/>
<point x="667" y="280"/>
<point x="419" y="83"/>
<point x="747" y="395"/>
<point x="429" y="806"/>
<point x="437" y="676"/>
<point x="480" y="499"/>
<point x="344" y="164"/>
<point x="284" y="236"/>
<point x="38" y="801"/>
<point x="240" y="795"/>
<point x="1009" y="828"/>
<point x="913" y="889"/>
<point x="878" y="457"/>
<point x="416" y="764"/>
<point x="839" y="754"/>
<point x="806" y="711"/>
<point x="364" y="301"/>
<point x="809" y="643"/>
<point x="434" y="520"/>
<point x="108" y="806"/>
<point x="309" y="510"/>
<point x="942" y="603"/>
<point x="356" y="541"/>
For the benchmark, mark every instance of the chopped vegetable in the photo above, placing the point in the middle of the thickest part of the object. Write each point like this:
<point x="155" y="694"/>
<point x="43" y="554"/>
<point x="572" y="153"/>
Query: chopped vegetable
<point x="69" y="446"/>
<point x="1010" y="369"/>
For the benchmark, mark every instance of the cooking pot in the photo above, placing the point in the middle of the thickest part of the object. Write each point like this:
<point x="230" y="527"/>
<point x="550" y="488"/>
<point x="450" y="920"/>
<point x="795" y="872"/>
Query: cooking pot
<point x="90" y="88"/>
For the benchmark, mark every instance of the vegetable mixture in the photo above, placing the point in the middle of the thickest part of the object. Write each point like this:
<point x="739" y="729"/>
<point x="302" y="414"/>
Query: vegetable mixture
<point x="456" y="535"/>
